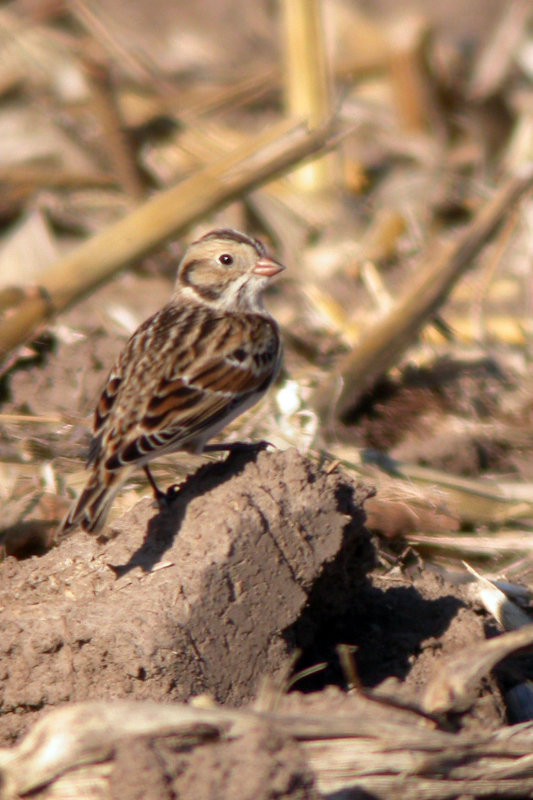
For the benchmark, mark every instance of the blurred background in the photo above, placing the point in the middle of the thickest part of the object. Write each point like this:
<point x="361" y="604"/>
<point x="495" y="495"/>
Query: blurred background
<point x="374" y="145"/>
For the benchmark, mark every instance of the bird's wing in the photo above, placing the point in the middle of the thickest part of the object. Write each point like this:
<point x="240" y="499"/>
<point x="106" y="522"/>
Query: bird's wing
<point x="195" y="386"/>
<point x="103" y="411"/>
<point x="119" y="375"/>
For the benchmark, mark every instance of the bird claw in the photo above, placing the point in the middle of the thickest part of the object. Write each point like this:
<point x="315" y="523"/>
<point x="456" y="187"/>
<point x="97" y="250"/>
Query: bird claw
<point x="172" y="492"/>
<point x="164" y="499"/>
<point x="264" y="445"/>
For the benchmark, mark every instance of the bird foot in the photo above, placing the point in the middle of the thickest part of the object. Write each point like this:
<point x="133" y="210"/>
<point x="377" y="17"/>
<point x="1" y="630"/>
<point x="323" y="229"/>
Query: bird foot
<point x="162" y="499"/>
<point x="165" y="499"/>
<point x="172" y="492"/>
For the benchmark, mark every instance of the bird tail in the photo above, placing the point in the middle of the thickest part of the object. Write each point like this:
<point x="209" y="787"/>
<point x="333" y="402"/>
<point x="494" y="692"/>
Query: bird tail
<point x="92" y="506"/>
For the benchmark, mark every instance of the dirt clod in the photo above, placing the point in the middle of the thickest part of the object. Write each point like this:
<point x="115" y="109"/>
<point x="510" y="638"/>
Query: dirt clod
<point x="192" y="600"/>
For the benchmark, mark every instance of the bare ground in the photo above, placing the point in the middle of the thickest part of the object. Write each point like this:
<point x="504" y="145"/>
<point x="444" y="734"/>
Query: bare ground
<point x="255" y="558"/>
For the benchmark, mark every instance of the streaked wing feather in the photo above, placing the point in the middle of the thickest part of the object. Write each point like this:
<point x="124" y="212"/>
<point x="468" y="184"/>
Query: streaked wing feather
<point x="187" y="403"/>
<point x="101" y="414"/>
<point x="115" y="381"/>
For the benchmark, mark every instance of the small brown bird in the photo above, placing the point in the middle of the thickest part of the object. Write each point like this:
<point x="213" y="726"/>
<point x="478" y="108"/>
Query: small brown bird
<point x="191" y="368"/>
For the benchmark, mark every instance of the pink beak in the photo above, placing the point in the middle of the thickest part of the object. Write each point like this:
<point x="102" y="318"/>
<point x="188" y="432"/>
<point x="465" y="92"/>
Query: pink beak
<point x="268" y="267"/>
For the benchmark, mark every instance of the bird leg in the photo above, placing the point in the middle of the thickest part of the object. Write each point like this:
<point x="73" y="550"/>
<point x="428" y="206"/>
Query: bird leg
<point x="162" y="498"/>
<point x="159" y="496"/>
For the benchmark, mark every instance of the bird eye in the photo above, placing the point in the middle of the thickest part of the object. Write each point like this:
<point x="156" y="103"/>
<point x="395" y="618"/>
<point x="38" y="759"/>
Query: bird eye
<point x="226" y="259"/>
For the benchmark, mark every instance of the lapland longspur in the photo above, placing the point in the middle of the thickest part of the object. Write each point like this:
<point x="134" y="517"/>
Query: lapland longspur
<point x="195" y="365"/>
